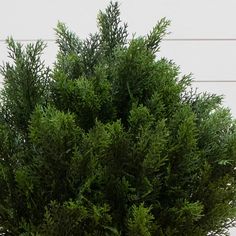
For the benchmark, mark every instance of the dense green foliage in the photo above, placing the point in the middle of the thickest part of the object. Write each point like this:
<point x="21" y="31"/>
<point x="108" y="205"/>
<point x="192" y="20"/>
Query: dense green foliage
<point x="111" y="141"/>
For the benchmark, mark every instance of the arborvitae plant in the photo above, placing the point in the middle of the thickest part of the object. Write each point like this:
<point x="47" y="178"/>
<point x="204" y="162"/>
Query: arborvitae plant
<point x="111" y="141"/>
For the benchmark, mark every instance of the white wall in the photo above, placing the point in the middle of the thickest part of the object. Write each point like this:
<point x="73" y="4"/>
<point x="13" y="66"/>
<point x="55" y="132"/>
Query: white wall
<point x="191" y="19"/>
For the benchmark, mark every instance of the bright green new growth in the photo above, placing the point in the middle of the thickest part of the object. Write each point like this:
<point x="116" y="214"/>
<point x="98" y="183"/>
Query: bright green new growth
<point x="111" y="141"/>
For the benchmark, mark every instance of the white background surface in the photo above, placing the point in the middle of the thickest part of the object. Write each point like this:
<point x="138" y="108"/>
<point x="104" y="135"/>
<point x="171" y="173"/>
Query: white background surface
<point x="191" y="19"/>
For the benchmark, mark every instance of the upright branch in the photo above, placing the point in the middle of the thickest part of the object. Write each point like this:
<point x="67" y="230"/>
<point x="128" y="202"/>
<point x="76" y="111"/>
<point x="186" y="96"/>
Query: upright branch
<point x="112" y="32"/>
<point x="67" y="41"/>
<point x="154" y="38"/>
<point x="26" y="81"/>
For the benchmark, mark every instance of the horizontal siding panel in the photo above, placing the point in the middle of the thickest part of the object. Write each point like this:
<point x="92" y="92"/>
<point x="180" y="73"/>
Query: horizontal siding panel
<point x="190" y="19"/>
<point x="207" y="60"/>
<point x="29" y="19"/>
